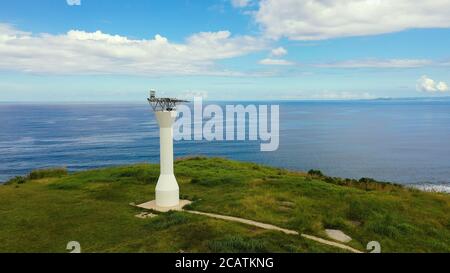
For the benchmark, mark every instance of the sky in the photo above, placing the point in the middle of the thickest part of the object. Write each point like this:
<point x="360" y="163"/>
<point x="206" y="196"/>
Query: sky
<point x="116" y="50"/>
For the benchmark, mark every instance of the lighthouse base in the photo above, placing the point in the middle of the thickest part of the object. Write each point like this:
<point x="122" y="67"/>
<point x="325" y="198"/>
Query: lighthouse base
<point x="167" y="191"/>
<point x="151" y="205"/>
<point x="167" y="196"/>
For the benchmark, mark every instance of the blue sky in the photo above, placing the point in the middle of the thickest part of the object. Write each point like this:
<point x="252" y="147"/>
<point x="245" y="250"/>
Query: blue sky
<point x="96" y="50"/>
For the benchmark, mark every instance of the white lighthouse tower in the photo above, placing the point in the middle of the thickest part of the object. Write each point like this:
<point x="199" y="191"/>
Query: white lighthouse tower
<point x="167" y="190"/>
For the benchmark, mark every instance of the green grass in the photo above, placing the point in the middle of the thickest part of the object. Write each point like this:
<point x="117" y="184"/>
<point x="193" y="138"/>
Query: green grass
<point x="45" y="210"/>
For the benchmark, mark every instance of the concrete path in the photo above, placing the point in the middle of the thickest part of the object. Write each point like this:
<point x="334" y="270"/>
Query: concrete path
<point x="244" y="221"/>
<point x="151" y="206"/>
<point x="272" y="227"/>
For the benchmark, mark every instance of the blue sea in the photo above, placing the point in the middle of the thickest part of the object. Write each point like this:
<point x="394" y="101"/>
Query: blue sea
<point x="404" y="141"/>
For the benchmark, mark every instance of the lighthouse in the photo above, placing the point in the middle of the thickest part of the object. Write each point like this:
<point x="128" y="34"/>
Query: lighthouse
<point x="167" y="194"/>
<point x="167" y="191"/>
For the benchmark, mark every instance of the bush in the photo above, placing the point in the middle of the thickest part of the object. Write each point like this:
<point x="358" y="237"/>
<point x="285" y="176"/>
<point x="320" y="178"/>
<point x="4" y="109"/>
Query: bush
<point x="315" y="173"/>
<point x="331" y="180"/>
<point x="16" y="180"/>
<point x="47" y="173"/>
<point x="367" y="180"/>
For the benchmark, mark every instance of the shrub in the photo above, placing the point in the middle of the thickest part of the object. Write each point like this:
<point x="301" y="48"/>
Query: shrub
<point x="16" y="180"/>
<point x="367" y="180"/>
<point x="331" y="180"/>
<point x="315" y="173"/>
<point x="47" y="173"/>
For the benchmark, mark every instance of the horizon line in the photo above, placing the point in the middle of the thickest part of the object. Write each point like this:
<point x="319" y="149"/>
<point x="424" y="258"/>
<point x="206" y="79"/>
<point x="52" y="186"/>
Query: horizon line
<point x="225" y="100"/>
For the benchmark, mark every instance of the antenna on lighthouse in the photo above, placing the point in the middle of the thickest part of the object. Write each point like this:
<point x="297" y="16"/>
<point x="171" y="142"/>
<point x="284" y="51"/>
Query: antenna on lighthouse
<point x="163" y="104"/>
<point x="167" y="190"/>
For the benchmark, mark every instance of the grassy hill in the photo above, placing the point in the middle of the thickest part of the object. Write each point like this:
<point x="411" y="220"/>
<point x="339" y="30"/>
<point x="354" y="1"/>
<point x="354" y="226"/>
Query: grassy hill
<point x="45" y="210"/>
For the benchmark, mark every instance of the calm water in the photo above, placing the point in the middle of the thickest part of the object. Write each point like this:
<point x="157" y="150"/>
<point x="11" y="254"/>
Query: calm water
<point x="404" y="141"/>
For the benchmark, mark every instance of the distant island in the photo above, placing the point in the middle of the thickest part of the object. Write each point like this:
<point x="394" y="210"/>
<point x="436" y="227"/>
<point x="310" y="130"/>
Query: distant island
<point x="414" y="98"/>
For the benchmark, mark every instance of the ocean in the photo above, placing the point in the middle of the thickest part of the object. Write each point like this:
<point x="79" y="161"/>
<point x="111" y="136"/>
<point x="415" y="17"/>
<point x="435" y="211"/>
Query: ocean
<point x="406" y="141"/>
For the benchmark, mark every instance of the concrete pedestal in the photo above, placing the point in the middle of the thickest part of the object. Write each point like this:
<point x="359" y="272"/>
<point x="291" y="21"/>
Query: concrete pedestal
<point x="153" y="206"/>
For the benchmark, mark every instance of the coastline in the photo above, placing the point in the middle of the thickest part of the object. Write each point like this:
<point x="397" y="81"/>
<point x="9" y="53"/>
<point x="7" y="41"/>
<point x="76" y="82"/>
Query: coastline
<point x="429" y="187"/>
<point x="409" y="149"/>
<point x="443" y="187"/>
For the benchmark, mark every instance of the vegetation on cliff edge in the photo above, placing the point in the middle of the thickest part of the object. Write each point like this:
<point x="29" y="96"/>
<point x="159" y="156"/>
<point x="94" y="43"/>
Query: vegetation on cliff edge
<point x="45" y="210"/>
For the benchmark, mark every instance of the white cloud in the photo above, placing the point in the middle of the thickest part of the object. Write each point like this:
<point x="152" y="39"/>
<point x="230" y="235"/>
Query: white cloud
<point x="279" y="51"/>
<point x="8" y="30"/>
<point x="442" y="86"/>
<point x="269" y="61"/>
<point x="392" y="63"/>
<point x="73" y="2"/>
<point x="276" y="52"/>
<point x="324" y="19"/>
<point x="80" y="52"/>
<point x="426" y="84"/>
<point x="240" y="3"/>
